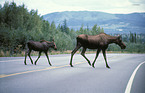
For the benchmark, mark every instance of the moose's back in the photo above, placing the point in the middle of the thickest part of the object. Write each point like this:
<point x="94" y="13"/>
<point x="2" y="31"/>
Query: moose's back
<point x="91" y="41"/>
<point x="37" y="46"/>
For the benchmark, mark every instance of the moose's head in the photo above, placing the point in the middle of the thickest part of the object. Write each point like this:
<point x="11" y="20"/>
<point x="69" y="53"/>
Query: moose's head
<point x="120" y="43"/>
<point x="54" y="45"/>
<point x="50" y="44"/>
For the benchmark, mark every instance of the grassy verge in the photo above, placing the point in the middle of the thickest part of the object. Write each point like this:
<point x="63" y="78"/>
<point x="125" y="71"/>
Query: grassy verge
<point x="35" y="53"/>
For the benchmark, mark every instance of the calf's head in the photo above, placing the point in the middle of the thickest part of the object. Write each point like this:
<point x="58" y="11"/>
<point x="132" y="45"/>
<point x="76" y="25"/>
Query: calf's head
<point x="54" y="45"/>
<point x="50" y="44"/>
<point x="120" y="43"/>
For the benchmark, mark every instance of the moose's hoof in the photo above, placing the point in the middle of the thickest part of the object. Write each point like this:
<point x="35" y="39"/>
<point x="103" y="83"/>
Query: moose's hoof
<point x="90" y="64"/>
<point x="108" y="67"/>
<point x="93" y="66"/>
<point x="35" y="63"/>
<point x="71" y="65"/>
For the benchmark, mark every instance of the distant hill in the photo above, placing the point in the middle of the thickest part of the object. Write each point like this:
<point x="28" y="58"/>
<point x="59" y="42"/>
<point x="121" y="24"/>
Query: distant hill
<point x="112" y="23"/>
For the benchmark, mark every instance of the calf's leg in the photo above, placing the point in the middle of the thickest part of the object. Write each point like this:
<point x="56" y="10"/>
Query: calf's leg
<point x="48" y="58"/>
<point x="73" y="52"/>
<point x="26" y="53"/>
<point x="83" y="54"/>
<point x="29" y="52"/>
<point x="38" y="57"/>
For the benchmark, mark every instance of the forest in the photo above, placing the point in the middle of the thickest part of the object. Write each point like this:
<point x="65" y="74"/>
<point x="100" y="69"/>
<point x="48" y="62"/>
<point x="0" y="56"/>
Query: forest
<point x="18" y="25"/>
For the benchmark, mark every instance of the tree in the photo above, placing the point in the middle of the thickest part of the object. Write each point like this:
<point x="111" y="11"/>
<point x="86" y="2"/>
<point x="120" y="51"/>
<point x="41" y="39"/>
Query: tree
<point x="64" y="27"/>
<point x="96" y="30"/>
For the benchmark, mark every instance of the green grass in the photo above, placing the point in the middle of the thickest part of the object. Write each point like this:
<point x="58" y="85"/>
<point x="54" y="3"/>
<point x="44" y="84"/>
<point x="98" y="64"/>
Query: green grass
<point x="35" y="53"/>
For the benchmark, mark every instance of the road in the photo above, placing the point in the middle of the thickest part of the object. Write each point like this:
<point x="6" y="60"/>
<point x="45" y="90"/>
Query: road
<point x="15" y="77"/>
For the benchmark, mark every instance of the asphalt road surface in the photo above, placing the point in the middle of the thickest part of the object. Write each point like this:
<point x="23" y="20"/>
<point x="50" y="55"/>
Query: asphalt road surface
<point x="127" y="74"/>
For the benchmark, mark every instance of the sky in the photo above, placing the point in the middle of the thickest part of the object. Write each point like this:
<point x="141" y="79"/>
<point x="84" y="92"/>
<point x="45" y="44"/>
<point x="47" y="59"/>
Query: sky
<point x="109" y="6"/>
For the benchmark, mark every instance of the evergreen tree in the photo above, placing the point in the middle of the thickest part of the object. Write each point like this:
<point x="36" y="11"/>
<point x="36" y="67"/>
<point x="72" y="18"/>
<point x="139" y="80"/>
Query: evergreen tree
<point x="18" y="25"/>
<point x="65" y="27"/>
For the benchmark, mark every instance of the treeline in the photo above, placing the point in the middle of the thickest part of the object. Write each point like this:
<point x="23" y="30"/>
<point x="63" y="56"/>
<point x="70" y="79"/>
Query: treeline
<point x="18" y="26"/>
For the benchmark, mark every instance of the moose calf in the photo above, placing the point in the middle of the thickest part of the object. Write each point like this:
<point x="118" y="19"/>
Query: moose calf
<point x="42" y="46"/>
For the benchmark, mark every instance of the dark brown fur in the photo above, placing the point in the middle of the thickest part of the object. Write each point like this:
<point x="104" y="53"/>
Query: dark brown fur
<point x="99" y="42"/>
<point x="42" y="46"/>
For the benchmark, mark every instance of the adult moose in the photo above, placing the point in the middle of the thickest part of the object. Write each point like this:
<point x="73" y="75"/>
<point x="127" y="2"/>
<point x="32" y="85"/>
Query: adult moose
<point x="42" y="46"/>
<point x="99" y="42"/>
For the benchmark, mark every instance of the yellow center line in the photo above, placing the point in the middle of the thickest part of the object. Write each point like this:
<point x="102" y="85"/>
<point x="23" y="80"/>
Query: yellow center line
<point x="2" y="76"/>
<point x="48" y="68"/>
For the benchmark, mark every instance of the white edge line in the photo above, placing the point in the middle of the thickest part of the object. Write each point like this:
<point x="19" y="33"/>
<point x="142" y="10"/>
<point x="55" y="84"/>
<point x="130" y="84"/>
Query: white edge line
<point x="129" y="85"/>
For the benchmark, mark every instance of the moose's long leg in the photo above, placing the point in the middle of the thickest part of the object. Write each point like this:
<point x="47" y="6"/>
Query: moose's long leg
<point x="48" y="58"/>
<point x="73" y="52"/>
<point x="38" y="57"/>
<point x="104" y="54"/>
<point x="83" y="54"/>
<point x="29" y="52"/>
<point x="98" y="51"/>
<point x="26" y="53"/>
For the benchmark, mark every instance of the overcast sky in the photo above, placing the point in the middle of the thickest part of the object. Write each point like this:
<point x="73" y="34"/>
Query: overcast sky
<point x="109" y="6"/>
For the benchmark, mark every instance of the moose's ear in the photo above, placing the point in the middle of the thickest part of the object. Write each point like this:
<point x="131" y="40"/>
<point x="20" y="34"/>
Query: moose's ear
<point x="52" y="40"/>
<point x="119" y="37"/>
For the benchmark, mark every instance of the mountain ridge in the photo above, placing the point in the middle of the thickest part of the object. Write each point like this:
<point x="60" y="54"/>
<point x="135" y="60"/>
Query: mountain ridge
<point x="112" y="23"/>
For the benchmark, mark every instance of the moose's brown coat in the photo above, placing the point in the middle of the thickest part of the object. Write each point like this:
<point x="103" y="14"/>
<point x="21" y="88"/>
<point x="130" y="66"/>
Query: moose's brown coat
<point x="99" y="42"/>
<point x="42" y="46"/>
